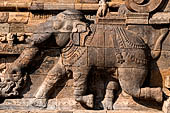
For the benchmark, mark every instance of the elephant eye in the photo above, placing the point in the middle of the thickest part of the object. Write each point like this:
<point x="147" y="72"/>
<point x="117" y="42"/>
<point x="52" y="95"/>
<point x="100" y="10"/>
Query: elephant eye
<point x="57" y="24"/>
<point x="69" y="27"/>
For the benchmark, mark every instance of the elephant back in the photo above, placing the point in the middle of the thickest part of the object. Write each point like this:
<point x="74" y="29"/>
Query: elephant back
<point x="111" y="47"/>
<point x="131" y="48"/>
<point x="128" y="39"/>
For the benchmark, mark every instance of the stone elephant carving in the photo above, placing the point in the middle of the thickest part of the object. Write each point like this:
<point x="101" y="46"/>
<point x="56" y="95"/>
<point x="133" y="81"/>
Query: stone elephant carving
<point x="74" y="37"/>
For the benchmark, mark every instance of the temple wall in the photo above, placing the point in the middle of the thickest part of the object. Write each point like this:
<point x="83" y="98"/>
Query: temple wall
<point x="19" y="19"/>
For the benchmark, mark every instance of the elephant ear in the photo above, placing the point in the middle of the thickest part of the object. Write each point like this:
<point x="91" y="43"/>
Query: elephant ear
<point x="76" y="39"/>
<point x="78" y="27"/>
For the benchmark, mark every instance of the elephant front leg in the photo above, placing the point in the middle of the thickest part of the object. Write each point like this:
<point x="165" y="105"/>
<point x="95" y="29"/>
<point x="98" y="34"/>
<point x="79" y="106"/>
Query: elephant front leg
<point x="80" y="87"/>
<point x="53" y="76"/>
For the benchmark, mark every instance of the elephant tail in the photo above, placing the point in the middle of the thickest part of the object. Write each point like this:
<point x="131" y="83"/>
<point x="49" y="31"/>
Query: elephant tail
<point x="156" y="52"/>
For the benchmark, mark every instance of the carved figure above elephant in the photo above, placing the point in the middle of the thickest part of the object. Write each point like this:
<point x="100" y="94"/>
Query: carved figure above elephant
<point x="140" y="6"/>
<point x="80" y="53"/>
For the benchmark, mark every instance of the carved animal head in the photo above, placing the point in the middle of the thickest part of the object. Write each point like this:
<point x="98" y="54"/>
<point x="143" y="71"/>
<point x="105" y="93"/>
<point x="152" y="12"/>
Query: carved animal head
<point x="70" y="24"/>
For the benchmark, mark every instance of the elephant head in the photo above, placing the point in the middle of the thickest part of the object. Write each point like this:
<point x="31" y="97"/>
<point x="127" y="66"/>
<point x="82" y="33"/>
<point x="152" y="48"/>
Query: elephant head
<point x="67" y="26"/>
<point x="70" y="25"/>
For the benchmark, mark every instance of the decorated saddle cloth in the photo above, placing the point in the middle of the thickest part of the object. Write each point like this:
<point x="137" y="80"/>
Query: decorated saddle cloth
<point x="127" y="51"/>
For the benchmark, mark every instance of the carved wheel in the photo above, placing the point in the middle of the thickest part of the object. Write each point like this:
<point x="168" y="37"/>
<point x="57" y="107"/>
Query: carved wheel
<point x="143" y="6"/>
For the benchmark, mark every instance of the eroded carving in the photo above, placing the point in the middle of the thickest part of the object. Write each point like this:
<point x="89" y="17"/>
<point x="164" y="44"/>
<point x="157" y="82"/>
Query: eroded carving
<point x="144" y="6"/>
<point x="102" y="8"/>
<point x="72" y="35"/>
<point x="10" y="38"/>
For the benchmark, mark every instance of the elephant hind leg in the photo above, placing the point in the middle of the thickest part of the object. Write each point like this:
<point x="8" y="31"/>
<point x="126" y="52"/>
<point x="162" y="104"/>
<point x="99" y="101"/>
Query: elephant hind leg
<point x="131" y="81"/>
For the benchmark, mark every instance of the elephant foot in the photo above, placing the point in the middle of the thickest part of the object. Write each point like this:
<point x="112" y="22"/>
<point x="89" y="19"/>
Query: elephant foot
<point x="86" y="100"/>
<point x="39" y="103"/>
<point x="108" y="103"/>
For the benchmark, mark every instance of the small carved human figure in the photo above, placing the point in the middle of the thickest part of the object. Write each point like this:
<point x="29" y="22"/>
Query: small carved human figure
<point x="102" y="8"/>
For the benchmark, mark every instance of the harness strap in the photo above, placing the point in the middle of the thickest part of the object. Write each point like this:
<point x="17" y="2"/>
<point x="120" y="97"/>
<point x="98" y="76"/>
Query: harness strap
<point x="118" y="54"/>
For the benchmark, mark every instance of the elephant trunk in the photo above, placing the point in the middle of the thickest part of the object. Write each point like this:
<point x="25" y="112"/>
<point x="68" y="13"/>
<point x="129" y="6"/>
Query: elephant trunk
<point x="10" y="85"/>
<point x="12" y="80"/>
<point x="156" y="52"/>
<point x="23" y="61"/>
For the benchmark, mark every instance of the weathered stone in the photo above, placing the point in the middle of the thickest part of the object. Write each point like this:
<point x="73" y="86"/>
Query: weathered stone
<point x="50" y="111"/>
<point x="109" y="36"/>
<point x="160" y="18"/>
<point x="90" y="111"/>
<point x="46" y="65"/>
<point x="108" y="54"/>
<point x="135" y="111"/>
<point x="29" y="28"/>
<point x="123" y="50"/>
<point x="166" y="91"/>
<point x="85" y="6"/>
<point x="87" y="1"/>
<point x="126" y="102"/>
<point x="167" y="81"/>
<point x="37" y="6"/>
<point x="156" y="73"/>
<point x="18" y="17"/>
<point x="66" y="1"/>
<point x="63" y="111"/>
<point x="167" y="8"/>
<point x="7" y="49"/>
<point x="96" y="56"/>
<point x="58" y="6"/>
<point x="30" y="90"/>
<point x="112" y="19"/>
<point x="98" y="38"/>
<point x="82" y="63"/>
<point x="137" y="18"/>
<point x="55" y="105"/>
<point x="62" y="6"/>
<point x="16" y="27"/>
<point x="166" y="106"/>
<point x="162" y="61"/>
<point x="4" y="17"/>
<point x="4" y="28"/>
<point x="141" y="6"/>
<point x="13" y="5"/>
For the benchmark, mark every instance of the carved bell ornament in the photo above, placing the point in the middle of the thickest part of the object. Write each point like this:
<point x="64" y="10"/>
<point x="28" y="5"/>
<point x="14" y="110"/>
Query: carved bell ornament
<point x="144" y="6"/>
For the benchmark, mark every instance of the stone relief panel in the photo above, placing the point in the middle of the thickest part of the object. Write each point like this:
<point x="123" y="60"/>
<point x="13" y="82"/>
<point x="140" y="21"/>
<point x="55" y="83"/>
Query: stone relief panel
<point x="71" y="59"/>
